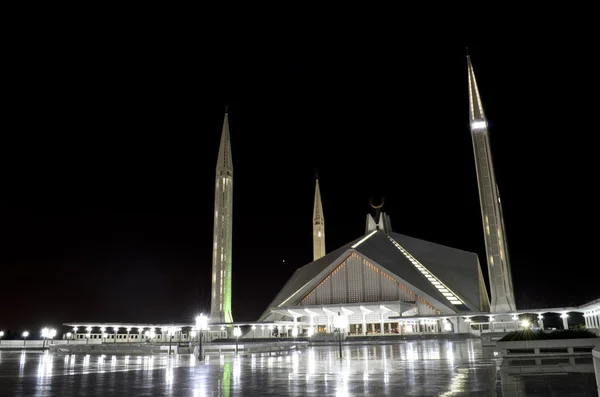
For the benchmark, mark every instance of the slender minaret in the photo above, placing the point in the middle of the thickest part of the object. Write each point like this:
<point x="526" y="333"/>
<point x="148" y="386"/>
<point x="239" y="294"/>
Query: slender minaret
<point x="318" y="226"/>
<point x="220" y="305"/>
<point x="503" y="299"/>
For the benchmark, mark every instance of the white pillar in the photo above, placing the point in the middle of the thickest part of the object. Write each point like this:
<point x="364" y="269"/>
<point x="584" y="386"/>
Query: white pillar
<point x="565" y="320"/>
<point x="540" y="321"/>
<point x="381" y="323"/>
<point x="364" y="324"/>
<point x="587" y="323"/>
<point x="329" y="324"/>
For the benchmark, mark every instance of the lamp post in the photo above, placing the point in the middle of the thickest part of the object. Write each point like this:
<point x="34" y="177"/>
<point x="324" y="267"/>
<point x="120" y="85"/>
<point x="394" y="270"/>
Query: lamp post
<point x="237" y="332"/>
<point x="68" y="337"/>
<point x="1" y="335"/>
<point x="171" y="334"/>
<point x="45" y="332"/>
<point x="340" y="322"/>
<point x="52" y="334"/>
<point x="25" y="334"/>
<point x="201" y="325"/>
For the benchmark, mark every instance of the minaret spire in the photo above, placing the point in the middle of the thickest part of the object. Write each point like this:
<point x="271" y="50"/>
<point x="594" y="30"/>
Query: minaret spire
<point x="220" y="307"/>
<point x="318" y="225"/>
<point x="501" y="286"/>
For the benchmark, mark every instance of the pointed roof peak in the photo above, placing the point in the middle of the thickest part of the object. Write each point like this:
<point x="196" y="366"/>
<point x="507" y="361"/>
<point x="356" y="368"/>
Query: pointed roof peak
<point x="476" y="114"/>
<point x="224" y="162"/>
<point x="318" y="208"/>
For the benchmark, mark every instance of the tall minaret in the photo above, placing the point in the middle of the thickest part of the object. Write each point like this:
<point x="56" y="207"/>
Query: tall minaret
<point x="503" y="299"/>
<point x="318" y="226"/>
<point x="220" y="305"/>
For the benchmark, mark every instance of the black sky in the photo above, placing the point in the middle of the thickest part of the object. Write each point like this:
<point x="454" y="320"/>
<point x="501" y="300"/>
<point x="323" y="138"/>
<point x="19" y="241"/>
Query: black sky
<point x="109" y="149"/>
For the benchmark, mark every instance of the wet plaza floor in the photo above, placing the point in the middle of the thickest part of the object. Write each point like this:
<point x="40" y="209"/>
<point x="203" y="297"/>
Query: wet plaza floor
<point x="412" y="368"/>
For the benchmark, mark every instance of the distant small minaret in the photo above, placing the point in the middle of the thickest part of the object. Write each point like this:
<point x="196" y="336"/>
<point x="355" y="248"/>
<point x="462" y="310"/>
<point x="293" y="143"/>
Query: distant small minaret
<point x="220" y="305"/>
<point x="318" y="226"/>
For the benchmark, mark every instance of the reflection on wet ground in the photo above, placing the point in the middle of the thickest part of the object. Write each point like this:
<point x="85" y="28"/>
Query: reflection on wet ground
<point x="412" y="368"/>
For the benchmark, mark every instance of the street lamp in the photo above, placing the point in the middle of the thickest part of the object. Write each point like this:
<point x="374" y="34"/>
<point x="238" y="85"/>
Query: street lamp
<point x="68" y="337"/>
<point x="25" y="334"/>
<point x="171" y="334"/>
<point x="340" y="322"/>
<point x="50" y="335"/>
<point x="201" y="325"/>
<point x="1" y="335"/>
<point x="237" y="332"/>
<point x="88" y="335"/>
<point x="45" y="333"/>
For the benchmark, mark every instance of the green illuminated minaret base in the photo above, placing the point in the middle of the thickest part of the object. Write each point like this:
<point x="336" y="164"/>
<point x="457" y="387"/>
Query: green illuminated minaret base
<point x="220" y="305"/>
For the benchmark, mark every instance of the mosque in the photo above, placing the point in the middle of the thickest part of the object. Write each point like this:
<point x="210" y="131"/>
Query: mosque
<point x="380" y="283"/>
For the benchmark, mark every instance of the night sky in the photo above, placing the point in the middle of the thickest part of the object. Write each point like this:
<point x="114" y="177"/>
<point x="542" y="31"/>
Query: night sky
<point x="109" y="149"/>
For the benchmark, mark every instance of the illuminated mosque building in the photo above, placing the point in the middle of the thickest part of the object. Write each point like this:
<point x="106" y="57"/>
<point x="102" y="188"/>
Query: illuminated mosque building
<point x="380" y="283"/>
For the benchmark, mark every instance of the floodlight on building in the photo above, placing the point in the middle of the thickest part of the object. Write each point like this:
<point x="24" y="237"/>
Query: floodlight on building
<point x="103" y="329"/>
<point x="237" y="332"/>
<point x="74" y="330"/>
<point x="525" y="324"/>
<point x="564" y="315"/>
<point x="515" y="317"/>
<point x="128" y="329"/>
<point x="540" y="317"/>
<point x="222" y="328"/>
<point x="89" y="329"/>
<point x="491" y="318"/>
<point x="253" y="327"/>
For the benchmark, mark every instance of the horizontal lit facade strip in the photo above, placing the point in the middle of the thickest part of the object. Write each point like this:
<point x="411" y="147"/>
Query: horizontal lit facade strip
<point x="436" y="282"/>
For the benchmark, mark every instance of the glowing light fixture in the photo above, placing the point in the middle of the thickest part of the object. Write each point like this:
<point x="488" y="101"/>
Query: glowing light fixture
<point x="478" y="124"/>
<point x="525" y="324"/>
<point x="202" y="322"/>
